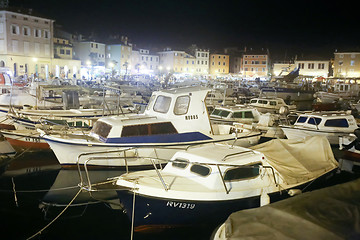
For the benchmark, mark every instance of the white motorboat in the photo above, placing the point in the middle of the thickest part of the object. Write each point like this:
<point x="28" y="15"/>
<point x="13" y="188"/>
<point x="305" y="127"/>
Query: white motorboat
<point x="205" y="184"/>
<point x="249" y="118"/>
<point x="331" y="125"/>
<point x="234" y="114"/>
<point x="271" y="105"/>
<point x="175" y="117"/>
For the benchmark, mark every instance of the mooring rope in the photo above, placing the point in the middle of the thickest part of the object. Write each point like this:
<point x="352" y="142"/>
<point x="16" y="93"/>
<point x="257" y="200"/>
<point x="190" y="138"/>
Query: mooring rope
<point x="67" y="206"/>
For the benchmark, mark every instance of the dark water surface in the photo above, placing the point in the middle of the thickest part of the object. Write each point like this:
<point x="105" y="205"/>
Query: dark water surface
<point x="34" y="190"/>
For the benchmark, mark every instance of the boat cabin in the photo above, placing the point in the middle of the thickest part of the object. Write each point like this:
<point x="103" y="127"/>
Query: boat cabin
<point x="234" y="114"/>
<point x="327" y="120"/>
<point x="201" y="165"/>
<point x="270" y="104"/>
<point x="179" y="111"/>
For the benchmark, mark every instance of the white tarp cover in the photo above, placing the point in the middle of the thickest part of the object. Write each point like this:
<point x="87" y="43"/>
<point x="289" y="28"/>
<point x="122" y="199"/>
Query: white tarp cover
<point x="329" y="213"/>
<point x="298" y="160"/>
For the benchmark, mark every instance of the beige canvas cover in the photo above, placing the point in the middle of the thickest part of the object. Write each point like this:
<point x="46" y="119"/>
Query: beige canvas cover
<point x="298" y="160"/>
<point x="329" y="213"/>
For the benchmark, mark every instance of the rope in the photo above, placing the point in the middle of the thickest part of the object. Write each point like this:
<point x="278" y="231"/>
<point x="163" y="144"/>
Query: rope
<point x="41" y="190"/>
<point x="133" y="217"/>
<point x="41" y="230"/>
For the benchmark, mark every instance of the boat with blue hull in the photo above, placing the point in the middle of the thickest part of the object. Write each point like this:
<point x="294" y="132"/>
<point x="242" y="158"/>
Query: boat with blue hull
<point x="204" y="184"/>
<point x="174" y="117"/>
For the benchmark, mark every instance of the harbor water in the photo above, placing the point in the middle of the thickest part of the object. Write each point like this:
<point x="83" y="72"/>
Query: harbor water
<point x="40" y="200"/>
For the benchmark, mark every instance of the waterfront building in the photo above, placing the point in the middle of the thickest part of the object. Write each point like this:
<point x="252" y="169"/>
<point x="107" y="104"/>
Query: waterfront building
<point x="255" y="65"/>
<point x="235" y="59"/>
<point x="92" y="57"/>
<point x="201" y="59"/>
<point x="26" y="45"/>
<point x="63" y="64"/>
<point x="144" y="62"/>
<point x="219" y="64"/>
<point x="313" y="68"/>
<point x="171" y="61"/>
<point x="347" y="64"/>
<point x="118" y="56"/>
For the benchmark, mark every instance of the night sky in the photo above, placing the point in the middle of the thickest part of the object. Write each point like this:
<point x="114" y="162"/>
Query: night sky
<point x="286" y="28"/>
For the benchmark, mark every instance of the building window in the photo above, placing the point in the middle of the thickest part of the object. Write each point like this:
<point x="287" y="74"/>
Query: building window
<point x="37" y="33"/>
<point x="37" y="48"/>
<point x="15" y="29"/>
<point x="321" y="66"/>
<point x="68" y="52"/>
<point x="46" y="34"/>
<point x="26" y="31"/>
<point x="352" y="63"/>
<point x="15" y="47"/>
<point x="62" y="51"/>
<point x="47" y="49"/>
<point x="26" y="47"/>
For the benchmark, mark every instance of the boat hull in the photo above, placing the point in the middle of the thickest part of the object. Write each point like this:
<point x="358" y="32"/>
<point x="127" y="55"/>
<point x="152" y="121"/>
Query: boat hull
<point x="68" y="152"/>
<point x="296" y="133"/>
<point x="23" y="142"/>
<point x="152" y="214"/>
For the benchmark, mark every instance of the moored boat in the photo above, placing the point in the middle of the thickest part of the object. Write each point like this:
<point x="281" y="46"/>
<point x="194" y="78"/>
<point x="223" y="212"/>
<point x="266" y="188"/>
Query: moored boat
<point x="174" y="117"/>
<point x="271" y="105"/>
<point x="205" y="184"/>
<point x="332" y="125"/>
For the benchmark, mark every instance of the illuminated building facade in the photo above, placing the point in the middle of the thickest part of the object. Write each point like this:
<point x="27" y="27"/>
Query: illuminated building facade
<point x="347" y="64"/>
<point x="26" y="46"/>
<point x="219" y="64"/>
<point x="143" y="62"/>
<point x="254" y="65"/>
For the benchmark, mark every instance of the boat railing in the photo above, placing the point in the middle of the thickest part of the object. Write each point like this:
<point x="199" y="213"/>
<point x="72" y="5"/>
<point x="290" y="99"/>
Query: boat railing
<point x="237" y="153"/>
<point x="99" y="156"/>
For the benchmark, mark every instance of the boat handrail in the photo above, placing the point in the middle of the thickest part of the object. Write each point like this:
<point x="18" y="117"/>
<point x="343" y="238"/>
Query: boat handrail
<point x="138" y="118"/>
<point x="93" y="153"/>
<point x="237" y="153"/>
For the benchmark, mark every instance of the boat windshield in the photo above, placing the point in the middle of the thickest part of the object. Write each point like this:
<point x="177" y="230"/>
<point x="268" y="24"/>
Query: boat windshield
<point x="180" y="163"/>
<point x="102" y="129"/>
<point x="301" y="119"/>
<point x="273" y="103"/>
<point x="242" y="172"/>
<point x="182" y="105"/>
<point x="220" y="113"/>
<point x="162" y="104"/>
<point x="200" y="170"/>
<point x="314" y="121"/>
<point x="246" y="114"/>
<point x="340" y="122"/>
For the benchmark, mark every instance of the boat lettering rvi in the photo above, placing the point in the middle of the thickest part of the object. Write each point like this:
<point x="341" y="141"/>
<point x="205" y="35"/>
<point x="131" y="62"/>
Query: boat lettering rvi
<point x="180" y="205"/>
